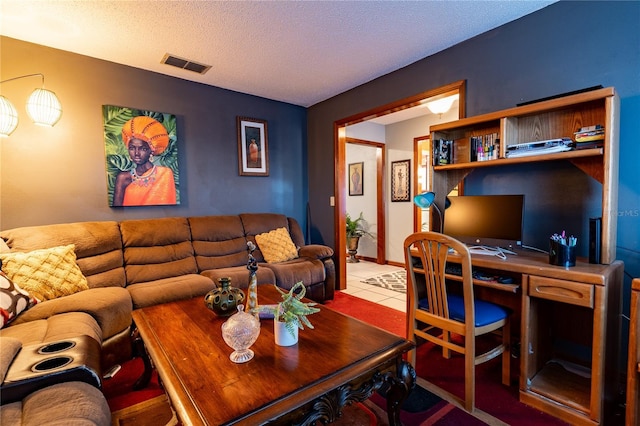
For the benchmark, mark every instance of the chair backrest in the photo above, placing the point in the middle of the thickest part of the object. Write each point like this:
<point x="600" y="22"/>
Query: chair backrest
<point x="426" y="255"/>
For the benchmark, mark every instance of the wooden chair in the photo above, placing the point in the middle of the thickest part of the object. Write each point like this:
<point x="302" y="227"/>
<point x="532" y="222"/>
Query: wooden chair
<point x="433" y="314"/>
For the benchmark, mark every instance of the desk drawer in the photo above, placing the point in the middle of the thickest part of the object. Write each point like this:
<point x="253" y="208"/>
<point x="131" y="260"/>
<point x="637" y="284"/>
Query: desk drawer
<point x="561" y="291"/>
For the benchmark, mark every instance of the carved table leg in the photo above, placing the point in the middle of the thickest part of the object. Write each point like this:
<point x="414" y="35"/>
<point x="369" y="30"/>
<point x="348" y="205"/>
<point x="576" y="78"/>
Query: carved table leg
<point x="399" y="387"/>
<point x="139" y="350"/>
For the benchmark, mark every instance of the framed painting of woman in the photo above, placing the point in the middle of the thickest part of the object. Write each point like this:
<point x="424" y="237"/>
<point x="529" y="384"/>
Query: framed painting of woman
<point x="141" y="157"/>
<point x="253" y="147"/>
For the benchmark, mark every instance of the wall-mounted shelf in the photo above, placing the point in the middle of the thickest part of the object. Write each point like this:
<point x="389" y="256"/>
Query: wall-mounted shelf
<point x="552" y="119"/>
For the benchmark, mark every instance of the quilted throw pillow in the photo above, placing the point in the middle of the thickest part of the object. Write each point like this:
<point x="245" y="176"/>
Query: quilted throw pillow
<point x="277" y="246"/>
<point x="13" y="300"/>
<point x="46" y="273"/>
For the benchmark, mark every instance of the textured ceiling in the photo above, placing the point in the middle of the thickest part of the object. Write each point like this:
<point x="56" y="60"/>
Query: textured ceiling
<point x="301" y="52"/>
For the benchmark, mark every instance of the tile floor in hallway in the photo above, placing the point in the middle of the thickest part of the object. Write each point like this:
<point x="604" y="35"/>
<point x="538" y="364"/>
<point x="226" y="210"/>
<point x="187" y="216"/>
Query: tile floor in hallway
<point x="356" y="272"/>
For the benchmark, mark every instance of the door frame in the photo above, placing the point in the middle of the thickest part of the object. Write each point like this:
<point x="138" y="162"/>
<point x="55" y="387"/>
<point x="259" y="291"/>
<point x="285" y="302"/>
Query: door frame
<point x="339" y="138"/>
<point x="381" y="228"/>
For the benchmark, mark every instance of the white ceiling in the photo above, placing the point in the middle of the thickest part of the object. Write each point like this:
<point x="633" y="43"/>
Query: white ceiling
<point x="300" y="52"/>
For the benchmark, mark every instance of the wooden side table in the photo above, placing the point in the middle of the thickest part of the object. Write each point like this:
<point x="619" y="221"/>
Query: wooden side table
<point x="633" y="364"/>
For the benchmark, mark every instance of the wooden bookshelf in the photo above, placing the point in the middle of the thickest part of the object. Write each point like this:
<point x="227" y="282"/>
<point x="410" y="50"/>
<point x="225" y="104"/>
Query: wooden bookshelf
<point x="541" y="121"/>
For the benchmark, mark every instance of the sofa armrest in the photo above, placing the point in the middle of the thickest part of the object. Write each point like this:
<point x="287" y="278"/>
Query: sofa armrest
<point x="110" y="306"/>
<point x="315" y="251"/>
<point x="9" y="348"/>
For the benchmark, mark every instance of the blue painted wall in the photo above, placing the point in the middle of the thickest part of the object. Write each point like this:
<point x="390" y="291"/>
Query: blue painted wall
<point x="566" y="46"/>
<point x="55" y="175"/>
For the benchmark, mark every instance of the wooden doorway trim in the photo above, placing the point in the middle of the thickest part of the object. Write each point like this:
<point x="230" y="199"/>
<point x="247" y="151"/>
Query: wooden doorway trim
<point x="339" y="141"/>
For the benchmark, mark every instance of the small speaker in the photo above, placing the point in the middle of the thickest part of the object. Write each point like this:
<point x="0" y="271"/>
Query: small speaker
<point x="595" y="239"/>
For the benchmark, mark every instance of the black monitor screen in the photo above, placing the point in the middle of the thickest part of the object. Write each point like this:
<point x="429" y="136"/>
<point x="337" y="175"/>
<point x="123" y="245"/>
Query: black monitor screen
<point x="490" y="220"/>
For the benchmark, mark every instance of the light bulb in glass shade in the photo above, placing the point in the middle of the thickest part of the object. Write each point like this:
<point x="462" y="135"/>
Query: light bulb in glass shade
<point x="8" y="117"/>
<point x="44" y="107"/>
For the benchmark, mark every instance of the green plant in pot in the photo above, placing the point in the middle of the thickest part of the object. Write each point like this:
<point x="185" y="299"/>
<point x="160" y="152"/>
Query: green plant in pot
<point x="290" y="314"/>
<point x="355" y="230"/>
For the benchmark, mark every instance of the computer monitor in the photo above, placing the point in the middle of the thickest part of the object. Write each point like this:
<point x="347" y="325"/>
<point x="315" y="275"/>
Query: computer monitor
<point x="487" y="220"/>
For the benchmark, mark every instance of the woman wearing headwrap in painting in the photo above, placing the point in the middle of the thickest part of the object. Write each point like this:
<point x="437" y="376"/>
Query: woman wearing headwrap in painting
<point x="146" y="184"/>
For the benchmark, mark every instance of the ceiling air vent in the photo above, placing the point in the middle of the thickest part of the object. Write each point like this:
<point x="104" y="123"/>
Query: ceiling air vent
<point x="185" y="64"/>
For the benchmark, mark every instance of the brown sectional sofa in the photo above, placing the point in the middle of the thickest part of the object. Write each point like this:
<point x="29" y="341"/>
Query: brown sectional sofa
<point x="137" y="263"/>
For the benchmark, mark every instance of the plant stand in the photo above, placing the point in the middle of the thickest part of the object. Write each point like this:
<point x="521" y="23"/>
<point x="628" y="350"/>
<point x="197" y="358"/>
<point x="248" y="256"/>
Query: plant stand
<point x="352" y="248"/>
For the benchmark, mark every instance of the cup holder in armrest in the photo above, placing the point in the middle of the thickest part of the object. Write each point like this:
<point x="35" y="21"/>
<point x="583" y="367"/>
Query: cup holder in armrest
<point x="51" y="364"/>
<point x="56" y="347"/>
<point x="73" y="359"/>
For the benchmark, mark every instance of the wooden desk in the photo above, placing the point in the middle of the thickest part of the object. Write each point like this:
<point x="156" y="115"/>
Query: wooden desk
<point x="569" y="331"/>
<point x="633" y="364"/>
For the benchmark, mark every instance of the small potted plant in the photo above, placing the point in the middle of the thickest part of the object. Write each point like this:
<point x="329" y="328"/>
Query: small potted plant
<point x="355" y="230"/>
<point x="290" y="314"/>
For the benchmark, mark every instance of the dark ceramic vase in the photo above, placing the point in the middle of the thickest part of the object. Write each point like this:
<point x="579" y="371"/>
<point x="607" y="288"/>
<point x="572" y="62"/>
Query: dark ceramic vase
<point x="224" y="299"/>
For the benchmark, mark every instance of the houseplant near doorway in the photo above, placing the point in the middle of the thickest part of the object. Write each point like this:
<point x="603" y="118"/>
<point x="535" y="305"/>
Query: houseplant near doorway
<point x="355" y="230"/>
<point x="290" y="314"/>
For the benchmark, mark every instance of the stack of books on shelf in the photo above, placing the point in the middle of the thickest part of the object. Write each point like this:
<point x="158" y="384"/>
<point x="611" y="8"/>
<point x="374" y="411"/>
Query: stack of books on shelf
<point x="589" y="137"/>
<point x="475" y="148"/>
<point x="485" y="147"/>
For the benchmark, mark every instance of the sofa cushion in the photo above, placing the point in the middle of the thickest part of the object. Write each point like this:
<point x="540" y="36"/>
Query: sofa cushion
<point x="259" y="223"/>
<point x="155" y="249"/>
<point x="46" y="273"/>
<point x="98" y="247"/>
<point x="240" y="276"/>
<point x="57" y="327"/>
<point x="276" y="246"/>
<point x="169" y="290"/>
<point x="70" y="403"/>
<point x="218" y="241"/>
<point x="309" y="271"/>
<point x="109" y="306"/>
<point x="13" y="300"/>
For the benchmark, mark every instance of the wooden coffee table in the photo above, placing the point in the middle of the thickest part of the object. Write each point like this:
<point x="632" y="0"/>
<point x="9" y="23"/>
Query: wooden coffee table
<point x="342" y="360"/>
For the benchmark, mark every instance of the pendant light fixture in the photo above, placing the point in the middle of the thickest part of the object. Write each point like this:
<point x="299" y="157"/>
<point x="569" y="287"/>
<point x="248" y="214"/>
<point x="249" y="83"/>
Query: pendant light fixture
<point x="443" y="105"/>
<point x="43" y="107"/>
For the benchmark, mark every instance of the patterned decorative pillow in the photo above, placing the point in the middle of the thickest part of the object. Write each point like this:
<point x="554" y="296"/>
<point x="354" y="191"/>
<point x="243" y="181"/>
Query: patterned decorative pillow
<point x="13" y="300"/>
<point x="46" y="273"/>
<point x="277" y="246"/>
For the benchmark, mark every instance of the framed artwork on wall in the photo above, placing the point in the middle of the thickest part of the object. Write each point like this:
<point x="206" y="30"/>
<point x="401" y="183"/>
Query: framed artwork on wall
<point x="401" y="180"/>
<point x="253" y="148"/>
<point x="356" y="175"/>
<point x="141" y="150"/>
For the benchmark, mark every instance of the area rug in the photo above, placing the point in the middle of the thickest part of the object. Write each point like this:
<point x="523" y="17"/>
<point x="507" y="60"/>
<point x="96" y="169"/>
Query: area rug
<point x="396" y="281"/>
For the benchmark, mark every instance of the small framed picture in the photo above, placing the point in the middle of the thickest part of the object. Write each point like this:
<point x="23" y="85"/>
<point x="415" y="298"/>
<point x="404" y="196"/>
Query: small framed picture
<point x="401" y="180"/>
<point x="253" y="148"/>
<point x="355" y="178"/>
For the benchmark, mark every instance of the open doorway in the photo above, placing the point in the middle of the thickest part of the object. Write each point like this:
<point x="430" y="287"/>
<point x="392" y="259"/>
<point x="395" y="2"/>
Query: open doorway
<point x="407" y="105"/>
<point x="365" y="164"/>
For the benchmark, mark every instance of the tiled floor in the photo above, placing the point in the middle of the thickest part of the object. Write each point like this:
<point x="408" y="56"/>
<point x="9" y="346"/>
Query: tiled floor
<point x="356" y="272"/>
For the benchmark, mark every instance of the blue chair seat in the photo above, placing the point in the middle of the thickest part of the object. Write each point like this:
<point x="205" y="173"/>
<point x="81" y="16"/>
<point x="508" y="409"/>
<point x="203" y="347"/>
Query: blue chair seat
<point x="486" y="312"/>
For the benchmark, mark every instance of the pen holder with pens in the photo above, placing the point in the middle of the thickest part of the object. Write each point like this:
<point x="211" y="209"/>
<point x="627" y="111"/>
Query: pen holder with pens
<point x="562" y="254"/>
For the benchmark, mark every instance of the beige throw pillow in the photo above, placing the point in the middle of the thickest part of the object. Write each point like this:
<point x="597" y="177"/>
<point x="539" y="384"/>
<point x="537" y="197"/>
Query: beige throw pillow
<point x="277" y="246"/>
<point x="45" y="273"/>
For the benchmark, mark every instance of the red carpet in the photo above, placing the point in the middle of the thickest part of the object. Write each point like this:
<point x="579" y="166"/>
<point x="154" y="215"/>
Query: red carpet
<point x="491" y="396"/>
<point x="386" y="318"/>
<point x="119" y="389"/>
